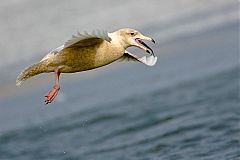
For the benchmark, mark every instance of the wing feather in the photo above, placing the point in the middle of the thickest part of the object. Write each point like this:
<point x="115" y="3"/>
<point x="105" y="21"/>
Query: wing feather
<point x="86" y="39"/>
<point x="128" y="57"/>
<point x="149" y="61"/>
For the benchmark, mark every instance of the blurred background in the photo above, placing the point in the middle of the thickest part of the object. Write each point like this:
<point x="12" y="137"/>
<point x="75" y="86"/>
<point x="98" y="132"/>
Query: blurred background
<point x="185" y="107"/>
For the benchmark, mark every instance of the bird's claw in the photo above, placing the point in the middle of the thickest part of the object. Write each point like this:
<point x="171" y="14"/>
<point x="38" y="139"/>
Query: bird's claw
<point x="51" y="95"/>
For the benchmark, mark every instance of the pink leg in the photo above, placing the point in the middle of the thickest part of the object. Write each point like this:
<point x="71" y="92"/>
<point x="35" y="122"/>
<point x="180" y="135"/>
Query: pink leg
<point x="54" y="92"/>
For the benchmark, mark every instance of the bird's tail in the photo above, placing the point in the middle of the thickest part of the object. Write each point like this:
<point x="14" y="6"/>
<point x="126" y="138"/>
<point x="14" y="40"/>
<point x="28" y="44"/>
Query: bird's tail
<point x="31" y="71"/>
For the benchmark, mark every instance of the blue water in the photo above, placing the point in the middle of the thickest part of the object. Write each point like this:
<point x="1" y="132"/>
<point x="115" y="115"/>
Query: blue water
<point x="192" y="120"/>
<point x="186" y="107"/>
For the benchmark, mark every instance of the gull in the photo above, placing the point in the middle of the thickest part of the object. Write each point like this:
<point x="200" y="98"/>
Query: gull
<point x="86" y="51"/>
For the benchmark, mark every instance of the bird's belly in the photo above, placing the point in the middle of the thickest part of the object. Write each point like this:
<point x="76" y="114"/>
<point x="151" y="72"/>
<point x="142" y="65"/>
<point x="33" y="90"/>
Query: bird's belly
<point x="86" y="59"/>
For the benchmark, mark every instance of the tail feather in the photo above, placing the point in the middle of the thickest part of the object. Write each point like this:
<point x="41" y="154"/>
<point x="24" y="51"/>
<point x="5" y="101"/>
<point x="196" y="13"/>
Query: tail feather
<point x="31" y="71"/>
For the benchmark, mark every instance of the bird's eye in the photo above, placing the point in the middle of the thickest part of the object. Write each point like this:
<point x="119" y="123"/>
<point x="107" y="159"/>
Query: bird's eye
<point x="132" y="33"/>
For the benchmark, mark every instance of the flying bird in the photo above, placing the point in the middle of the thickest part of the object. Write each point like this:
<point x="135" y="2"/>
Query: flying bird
<point x="86" y="51"/>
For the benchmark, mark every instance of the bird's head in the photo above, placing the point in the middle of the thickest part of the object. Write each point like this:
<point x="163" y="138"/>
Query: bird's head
<point x="131" y="37"/>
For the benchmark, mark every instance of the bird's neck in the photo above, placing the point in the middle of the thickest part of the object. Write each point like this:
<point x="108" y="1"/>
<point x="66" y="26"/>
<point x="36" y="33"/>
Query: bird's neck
<point x="116" y="39"/>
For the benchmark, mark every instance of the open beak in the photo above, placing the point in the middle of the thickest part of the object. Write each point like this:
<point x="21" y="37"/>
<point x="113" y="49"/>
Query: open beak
<point x="147" y="48"/>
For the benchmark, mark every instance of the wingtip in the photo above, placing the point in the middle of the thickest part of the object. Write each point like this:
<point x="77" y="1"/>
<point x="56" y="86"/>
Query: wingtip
<point x="152" y="60"/>
<point x="149" y="61"/>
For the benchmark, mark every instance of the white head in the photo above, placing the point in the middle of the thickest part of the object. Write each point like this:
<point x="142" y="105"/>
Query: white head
<point x="131" y="37"/>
